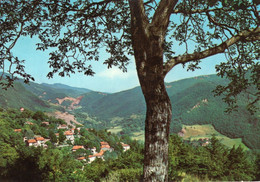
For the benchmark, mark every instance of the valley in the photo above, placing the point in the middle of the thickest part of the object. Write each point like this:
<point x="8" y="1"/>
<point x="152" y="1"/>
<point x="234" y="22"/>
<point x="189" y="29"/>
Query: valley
<point x="193" y="103"/>
<point x="82" y="135"/>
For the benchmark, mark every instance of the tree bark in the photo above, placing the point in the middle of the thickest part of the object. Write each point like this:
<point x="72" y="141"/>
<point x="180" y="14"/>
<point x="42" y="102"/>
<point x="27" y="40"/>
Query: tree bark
<point x="149" y="62"/>
<point x="157" y="123"/>
<point x="147" y="41"/>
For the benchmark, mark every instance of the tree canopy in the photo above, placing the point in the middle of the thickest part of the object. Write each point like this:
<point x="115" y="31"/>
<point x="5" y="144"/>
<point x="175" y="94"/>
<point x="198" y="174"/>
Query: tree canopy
<point x="78" y="30"/>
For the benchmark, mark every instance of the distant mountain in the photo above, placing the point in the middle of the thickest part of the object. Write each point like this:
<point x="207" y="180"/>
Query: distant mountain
<point x="121" y="104"/>
<point x="50" y="92"/>
<point x="77" y="90"/>
<point x="18" y="96"/>
<point x="192" y="103"/>
<point x="183" y="94"/>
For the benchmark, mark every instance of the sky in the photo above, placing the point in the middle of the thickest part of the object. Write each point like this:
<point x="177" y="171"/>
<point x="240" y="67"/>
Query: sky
<point x="105" y="80"/>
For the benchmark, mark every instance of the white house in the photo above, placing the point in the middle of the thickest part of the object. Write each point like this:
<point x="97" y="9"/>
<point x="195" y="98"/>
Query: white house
<point x="69" y="136"/>
<point x="125" y="146"/>
<point x="32" y="142"/>
<point x="40" y="141"/>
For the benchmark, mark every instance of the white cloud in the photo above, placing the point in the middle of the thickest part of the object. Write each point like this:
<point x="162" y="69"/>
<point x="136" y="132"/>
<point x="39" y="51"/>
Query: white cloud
<point x="115" y="73"/>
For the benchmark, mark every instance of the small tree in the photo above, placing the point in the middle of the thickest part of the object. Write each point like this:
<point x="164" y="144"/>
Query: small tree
<point x="53" y="137"/>
<point x="62" y="137"/>
<point x="78" y="30"/>
<point x="39" y="115"/>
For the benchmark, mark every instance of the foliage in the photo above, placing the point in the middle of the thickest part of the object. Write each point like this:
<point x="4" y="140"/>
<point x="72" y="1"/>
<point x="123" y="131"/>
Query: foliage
<point x="62" y="137"/>
<point x="18" y="96"/>
<point x="215" y="161"/>
<point x="78" y="31"/>
<point x="184" y="94"/>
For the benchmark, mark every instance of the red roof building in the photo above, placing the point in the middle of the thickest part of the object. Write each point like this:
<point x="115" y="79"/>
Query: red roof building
<point x="39" y="138"/>
<point x="103" y="143"/>
<point x="21" y="109"/>
<point x="46" y="123"/>
<point x="29" y="123"/>
<point x="63" y="126"/>
<point x="81" y="158"/>
<point x="125" y="146"/>
<point x="68" y="133"/>
<point x="31" y="141"/>
<point x="76" y="147"/>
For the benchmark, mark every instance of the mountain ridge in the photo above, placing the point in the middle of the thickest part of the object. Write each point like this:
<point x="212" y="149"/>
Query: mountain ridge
<point x="126" y="109"/>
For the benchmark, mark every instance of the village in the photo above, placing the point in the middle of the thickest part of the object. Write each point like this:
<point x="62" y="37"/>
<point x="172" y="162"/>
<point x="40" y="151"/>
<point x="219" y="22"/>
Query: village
<point x="70" y="133"/>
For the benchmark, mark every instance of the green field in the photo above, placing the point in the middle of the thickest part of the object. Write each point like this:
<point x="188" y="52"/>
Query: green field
<point x="115" y="130"/>
<point x="193" y="132"/>
<point x="138" y="136"/>
<point x="196" y="132"/>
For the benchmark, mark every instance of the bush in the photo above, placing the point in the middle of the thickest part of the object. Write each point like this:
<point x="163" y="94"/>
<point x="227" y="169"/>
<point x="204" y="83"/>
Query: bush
<point x="130" y="175"/>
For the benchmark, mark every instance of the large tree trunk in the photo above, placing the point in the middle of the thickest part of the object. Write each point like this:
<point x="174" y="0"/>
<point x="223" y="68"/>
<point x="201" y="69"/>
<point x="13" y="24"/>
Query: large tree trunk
<point x="148" y="41"/>
<point x="158" y="117"/>
<point x="157" y="123"/>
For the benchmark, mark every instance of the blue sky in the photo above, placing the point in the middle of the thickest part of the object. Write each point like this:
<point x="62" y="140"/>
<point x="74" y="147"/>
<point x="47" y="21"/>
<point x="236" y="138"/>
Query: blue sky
<point x="105" y="80"/>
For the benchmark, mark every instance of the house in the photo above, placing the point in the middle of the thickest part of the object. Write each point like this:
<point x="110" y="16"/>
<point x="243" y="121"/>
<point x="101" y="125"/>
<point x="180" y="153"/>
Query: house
<point x="32" y="142"/>
<point x="96" y="155"/>
<point x="25" y="139"/>
<point x="206" y="142"/>
<point x="103" y="143"/>
<point x="40" y="141"/>
<point x="125" y="146"/>
<point x="69" y="135"/>
<point x="81" y="158"/>
<point x="76" y="147"/>
<point x="93" y="150"/>
<point x="29" y="123"/>
<point x="91" y="158"/>
<point x="73" y="130"/>
<point x="17" y="130"/>
<point x="63" y="126"/>
<point x="46" y="123"/>
<point x="105" y="146"/>
<point x="100" y="154"/>
<point x="181" y="134"/>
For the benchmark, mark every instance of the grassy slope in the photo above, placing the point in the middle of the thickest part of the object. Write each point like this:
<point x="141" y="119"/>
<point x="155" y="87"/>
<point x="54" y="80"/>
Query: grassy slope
<point x="196" y="132"/>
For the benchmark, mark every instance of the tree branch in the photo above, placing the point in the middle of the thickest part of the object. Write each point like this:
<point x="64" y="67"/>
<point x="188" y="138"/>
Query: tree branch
<point x="162" y="14"/>
<point x="212" y="20"/>
<point x="138" y="16"/>
<point x="247" y="35"/>
<point x="194" y="11"/>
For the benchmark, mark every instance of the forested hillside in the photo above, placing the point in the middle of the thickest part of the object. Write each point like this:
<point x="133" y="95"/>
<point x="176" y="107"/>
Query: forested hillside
<point x="50" y="92"/>
<point x="17" y="96"/>
<point x="58" y="159"/>
<point x="193" y="102"/>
